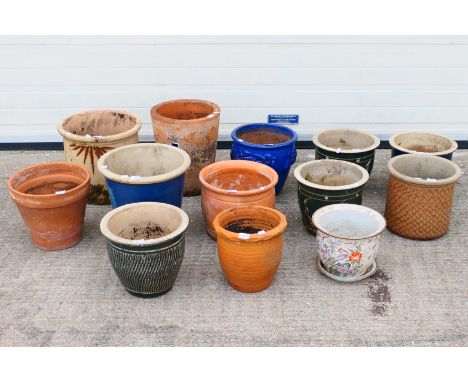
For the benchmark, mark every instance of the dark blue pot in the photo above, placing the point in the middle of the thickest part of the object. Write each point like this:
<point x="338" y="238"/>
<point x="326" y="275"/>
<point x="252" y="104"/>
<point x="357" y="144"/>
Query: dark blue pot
<point x="279" y="156"/>
<point x="413" y="142"/>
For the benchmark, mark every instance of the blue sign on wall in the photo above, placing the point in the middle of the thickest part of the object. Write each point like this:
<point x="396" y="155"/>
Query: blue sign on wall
<point x="288" y="119"/>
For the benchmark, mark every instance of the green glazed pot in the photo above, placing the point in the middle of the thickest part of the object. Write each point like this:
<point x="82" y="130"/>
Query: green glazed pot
<point x="325" y="182"/>
<point x="348" y="145"/>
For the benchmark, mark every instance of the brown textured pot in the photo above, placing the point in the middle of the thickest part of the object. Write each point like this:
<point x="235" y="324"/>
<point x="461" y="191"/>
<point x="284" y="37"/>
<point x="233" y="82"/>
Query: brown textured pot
<point x="191" y="125"/>
<point x="51" y="198"/>
<point x="233" y="183"/>
<point x="419" y="195"/>
<point x="90" y="134"/>
<point x="250" y="245"/>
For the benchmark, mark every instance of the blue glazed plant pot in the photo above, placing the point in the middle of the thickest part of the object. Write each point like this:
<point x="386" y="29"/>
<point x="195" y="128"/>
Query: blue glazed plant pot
<point x="418" y="142"/>
<point x="145" y="172"/>
<point x="273" y="145"/>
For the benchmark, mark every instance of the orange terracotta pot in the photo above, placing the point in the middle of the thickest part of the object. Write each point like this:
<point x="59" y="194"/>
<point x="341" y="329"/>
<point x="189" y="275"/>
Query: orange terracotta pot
<point x="191" y="125"/>
<point x="234" y="183"/>
<point x="250" y="245"/>
<point x="51" y="198"/>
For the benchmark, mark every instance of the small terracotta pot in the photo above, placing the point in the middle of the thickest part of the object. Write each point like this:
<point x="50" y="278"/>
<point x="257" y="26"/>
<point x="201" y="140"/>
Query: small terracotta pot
<point x="90" y="134"/>
<point x="51" y="198"/>
<point x="191" y="125"/>
<point x="348" y="145"/>
<point x="412" y="142"/>
<point x="234" y="183"/>
<point x="419" y="195"/>
<point x="250" y="245"/>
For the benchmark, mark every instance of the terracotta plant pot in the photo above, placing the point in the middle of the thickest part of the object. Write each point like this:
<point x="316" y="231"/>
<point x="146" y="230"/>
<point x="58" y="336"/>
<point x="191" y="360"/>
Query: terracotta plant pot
<point x="348" y="239"/>
<point x="51" y="198"/>
<point x="145" y="172"/>
<point x="193" y="126"/>
<point x="90" y="134"/>
<point x="234" y="183"/>
<point x="348" y="145"/>
<point x="419" y="195"/>
<point x="412" y="142"/>
<point x="327" y="181"/>
<point x="250" y="245"/>
<point x="146" y="244"/>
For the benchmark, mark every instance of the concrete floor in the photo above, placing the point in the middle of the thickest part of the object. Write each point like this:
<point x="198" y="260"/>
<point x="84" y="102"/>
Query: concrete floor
<point x="419" y="296"/>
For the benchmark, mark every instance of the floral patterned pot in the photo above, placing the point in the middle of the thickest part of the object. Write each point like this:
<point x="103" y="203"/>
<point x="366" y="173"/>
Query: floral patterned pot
<point x="90" y="134"/>
<point x="327" y="181"/>
<point x="145" y="172"/>
<point x="348" y="237"/>
<point x="270" y="144"/>
<point x="250" y="245"/>
<point x="193" y="126"/>
<point x="234" y="183"/>
<point x="146" y="244"/>
<point x="348" y="145"/>
<point x="412" y="142"/>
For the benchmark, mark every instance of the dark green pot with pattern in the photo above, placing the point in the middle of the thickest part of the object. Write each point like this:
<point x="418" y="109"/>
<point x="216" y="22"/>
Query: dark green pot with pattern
<point x="146" y="245"/>
<point x="348" y="145"/>
<point x="325" y="182"/>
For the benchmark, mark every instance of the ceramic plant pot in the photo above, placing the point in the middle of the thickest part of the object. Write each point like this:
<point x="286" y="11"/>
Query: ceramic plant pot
<point x="273" y="145"/>
<point x="327" y="181"/>
<point x="412" y="142"/>
<point x="145" y="172"/>
<point x="193" y="126"/>
<point x="348" y="238"/>
<point x="146" y="244"/>
<point x="51" y="198"/>
<point x="89" y="135"/>
<point x="234" y="183"/>
<point x="348" y="145"/>
<point x="250" y="245"/>
<point x="419" y="195"/>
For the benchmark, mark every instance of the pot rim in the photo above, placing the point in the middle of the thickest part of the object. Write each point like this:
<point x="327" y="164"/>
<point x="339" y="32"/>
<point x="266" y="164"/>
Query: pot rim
<point x="382" y="222"/>
<point x="98" y="138"/>
<point x="261" y="126"/>
<point x="239" y="164"/>
<point x="315" y="140"/>
<point x="409" y="179"/>
<point x="234" y="236"/>
<point x="452" y="148"/>
<point x="144" y="179"/>
<point x="149" y="242"/>
<point x="361" y="182"/>
<point x="155" y="114"/>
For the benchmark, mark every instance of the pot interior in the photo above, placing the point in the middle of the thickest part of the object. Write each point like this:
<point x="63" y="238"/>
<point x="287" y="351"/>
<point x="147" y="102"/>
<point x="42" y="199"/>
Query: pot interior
<point x="249" y="221"/>
<point x="348" y="224"/>
<point x="263" y="136"/>
<point x="331" y="174"/>
<point x="345" y="139"/>
<point x="144" y="222"/>
<point x="144" y="161"/>
<point x="185" y="110"/>
<point x="423" y="167"/>
<point x="421" y="142"/>
<point x="99" y="123"/>
<point x="238" y="179"/>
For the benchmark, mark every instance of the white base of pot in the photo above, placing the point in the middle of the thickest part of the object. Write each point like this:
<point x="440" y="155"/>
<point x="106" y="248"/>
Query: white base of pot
<point x="369" y="272"/>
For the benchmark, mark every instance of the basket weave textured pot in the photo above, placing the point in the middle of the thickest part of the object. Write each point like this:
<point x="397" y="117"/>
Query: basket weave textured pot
<point x="89" y="135"/>
<point x="412" y="142"/>
<point x="419" y="195"/>
<point x="146" y="267"/>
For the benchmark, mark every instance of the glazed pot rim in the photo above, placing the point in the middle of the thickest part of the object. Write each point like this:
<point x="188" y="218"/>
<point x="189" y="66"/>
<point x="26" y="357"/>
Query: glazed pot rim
<point x="453" y="147"/>
<point x="315" y="140"/>
<point x="155" y="114"/>
<point x="240" y="164"/>
<point x="234" y="236"/>
<point x="361" y="182"/>
<point x="98" y="138"/>
<point x="435" y="182"/>
<point x="262" y="126"/>
<point x="382" y="222"/>
<point x="144" y="179"/>
<point x="148" y="242"/>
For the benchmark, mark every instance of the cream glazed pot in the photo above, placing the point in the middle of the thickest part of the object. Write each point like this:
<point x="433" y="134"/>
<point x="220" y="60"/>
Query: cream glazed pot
<point x="90" y="134"/>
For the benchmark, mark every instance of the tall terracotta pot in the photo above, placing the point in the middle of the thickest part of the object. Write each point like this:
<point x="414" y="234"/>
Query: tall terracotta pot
<point x="51" y="198"/>
<point x="191" y="125"/>
<point x="90" y="134"/>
